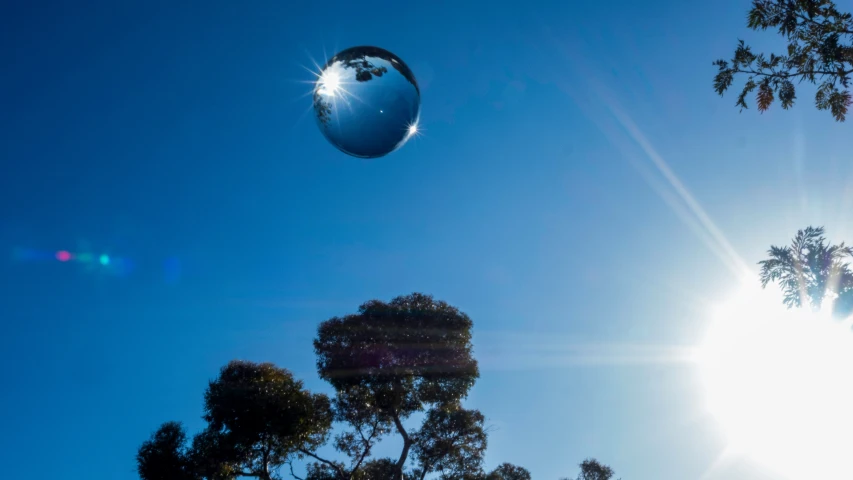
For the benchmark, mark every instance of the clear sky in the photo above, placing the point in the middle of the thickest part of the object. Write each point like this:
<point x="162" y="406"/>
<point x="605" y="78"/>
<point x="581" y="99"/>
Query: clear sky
<point x="579" y="191"/>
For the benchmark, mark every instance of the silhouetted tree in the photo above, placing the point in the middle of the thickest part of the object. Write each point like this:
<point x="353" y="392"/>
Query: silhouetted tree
<point x="451" y="442"/>
<point x="165" y="455"/>
<point x="258" y="419"/>
<point x="820" y="51"/>
<point x="391" y="360"/>
<point x="592" y="469"/>
<point x="811" y="271"/>
<point x="508" y="471"/>
<point x="387" y="362"/>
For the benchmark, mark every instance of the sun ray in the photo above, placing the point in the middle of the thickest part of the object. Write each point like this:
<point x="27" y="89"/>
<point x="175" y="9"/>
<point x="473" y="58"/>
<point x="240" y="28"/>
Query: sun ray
<point x="672" y="190"/>
<point x="522" y="351"/>
<point x="776" y="382"/>
<point x="677" y="185"/>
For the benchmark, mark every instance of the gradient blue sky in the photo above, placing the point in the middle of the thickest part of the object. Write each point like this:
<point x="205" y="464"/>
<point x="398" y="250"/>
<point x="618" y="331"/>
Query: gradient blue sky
<point x="152" y="130"/>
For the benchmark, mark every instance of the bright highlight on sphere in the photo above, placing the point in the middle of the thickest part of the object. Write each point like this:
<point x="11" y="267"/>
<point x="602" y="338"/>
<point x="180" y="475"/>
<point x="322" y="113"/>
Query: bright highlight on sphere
<point x="367" y="102"/>
<point x="779" y="382"/>
<point x="329" y="82"/>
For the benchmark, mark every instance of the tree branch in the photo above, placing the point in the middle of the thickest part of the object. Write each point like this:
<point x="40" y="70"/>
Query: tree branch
<point x="793" y="75"/>
<point x="366" y="442"/>
<point x="825" y="24"/>
<point x="292" y="474"/>
<point x="407" y="443"/>
<point x="266" y="459"/>
<point x="336" y="467"/>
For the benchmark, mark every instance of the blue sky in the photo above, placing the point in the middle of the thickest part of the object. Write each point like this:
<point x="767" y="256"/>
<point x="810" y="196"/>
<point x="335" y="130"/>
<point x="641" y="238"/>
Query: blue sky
<point x="153" y="131"/>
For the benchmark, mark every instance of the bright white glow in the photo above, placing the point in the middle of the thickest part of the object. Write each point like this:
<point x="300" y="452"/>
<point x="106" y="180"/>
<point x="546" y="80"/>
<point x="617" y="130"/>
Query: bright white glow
<point x="330" y="81"/>
<point x="413" y="130"/>
<point x="780" y="382"/>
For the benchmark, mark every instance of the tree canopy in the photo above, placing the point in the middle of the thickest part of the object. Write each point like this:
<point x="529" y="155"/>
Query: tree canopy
<point x="165" y="455"/>
<point x="385" y="363"/>
<point x="258" y="419"/>
<point x="393" y="359"/>
<point x="811" y="272"/>
<point x="819" y="51"/>
<point x="508" y="471"/>
<point x="592" y="469"/>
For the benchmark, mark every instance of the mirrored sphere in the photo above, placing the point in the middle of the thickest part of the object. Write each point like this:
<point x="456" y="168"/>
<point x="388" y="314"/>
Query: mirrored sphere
<point x="367" y="102"/>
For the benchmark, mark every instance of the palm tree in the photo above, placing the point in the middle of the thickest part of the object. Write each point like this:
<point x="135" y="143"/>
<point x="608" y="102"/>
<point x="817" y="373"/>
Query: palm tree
<point x="811" y="271"/>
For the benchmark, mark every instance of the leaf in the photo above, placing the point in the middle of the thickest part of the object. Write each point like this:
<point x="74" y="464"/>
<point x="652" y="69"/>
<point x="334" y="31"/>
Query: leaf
<point x="723" y="79"/>
<point x="818" y="43"/>
<point x="765" y="96"/>
<point x="787" y="94"/>
<point x="839" y="103"/>
<point x="747" y="89"/>
<point x="756" y="17"/>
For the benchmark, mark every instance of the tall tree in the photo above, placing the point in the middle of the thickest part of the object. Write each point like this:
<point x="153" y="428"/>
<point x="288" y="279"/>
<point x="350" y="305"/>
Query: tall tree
<point x="387" y="362"/>
<point x="164" y="456"/>
<point x="258" y="419"/>
<point x="451" y="443"/>
<point x="508" y="471"/>
<point x="820" y="51"/>
<point x="391" y="360"/>
<point x="811" y="271"/>
<point x="592" y="469"/>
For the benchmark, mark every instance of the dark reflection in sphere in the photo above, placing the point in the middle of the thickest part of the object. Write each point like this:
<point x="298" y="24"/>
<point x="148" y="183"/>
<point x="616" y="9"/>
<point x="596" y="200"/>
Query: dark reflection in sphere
<point x="367" y="102"/>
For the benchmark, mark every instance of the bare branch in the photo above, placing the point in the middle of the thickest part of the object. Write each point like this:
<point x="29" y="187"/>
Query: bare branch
<point x="407" y="443"/>
<point x="335" y="466"/>
<point x="292" y="473"/>
<point x="366" y="443"/>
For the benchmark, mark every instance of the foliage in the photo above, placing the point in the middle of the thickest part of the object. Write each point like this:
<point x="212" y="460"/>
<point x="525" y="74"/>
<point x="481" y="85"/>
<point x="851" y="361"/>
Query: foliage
<point x="819" y="51"/>
<point x="393" y="359"/>
<point x="164" y="456"/>
<point x="404" y="354"/>
<point x="508" y="471"/>
<point x="387" y="362"/>
<point x="811" y="271"/>
<point x="451" y="442"/>
<point x="258" y="419"/>
<point x="592" y="469"/>
<point x="382" y="468"/>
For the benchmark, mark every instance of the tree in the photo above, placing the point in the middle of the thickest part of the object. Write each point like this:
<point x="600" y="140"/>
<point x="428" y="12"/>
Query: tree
<point x="592" y="469"/>
<point x="451" y="442"/>
<point x="386" y="363"/>
<point x="508" y="471"/>
<point x="811" y="271"/>
<point x="391" y="360"/>
<point x="165" y="456"/>
<point x="820" y="51"/>
<point x="258" y="419"/>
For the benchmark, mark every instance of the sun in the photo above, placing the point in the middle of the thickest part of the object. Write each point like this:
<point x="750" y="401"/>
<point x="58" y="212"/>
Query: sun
<point x="780" y="382"/>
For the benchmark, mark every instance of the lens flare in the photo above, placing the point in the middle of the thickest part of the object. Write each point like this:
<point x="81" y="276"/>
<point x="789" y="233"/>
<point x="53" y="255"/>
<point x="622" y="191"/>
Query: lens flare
<point x="329" y="83"/>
